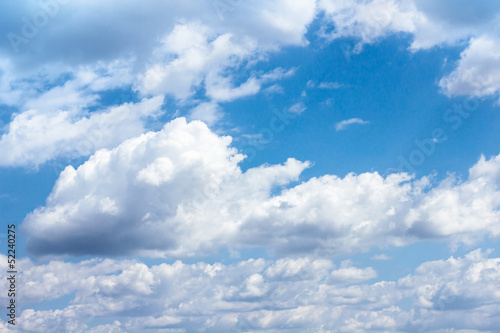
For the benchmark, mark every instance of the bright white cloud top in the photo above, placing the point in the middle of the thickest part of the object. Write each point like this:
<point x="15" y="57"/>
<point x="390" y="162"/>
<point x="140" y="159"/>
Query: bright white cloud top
<point x="229" y="165"/>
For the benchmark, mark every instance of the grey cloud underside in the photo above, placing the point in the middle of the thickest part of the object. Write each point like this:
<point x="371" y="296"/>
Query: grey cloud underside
<point x="79" y="33"/>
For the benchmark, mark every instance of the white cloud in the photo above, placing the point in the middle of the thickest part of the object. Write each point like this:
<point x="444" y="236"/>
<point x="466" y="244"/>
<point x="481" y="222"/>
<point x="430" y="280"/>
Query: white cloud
<point x="368" y="20"/>
<point x="341" y="125"/>
<point x="297" y="108"/>
<point x="199" y="56"/>
<point x="209" y="112"/>
<point x="165" y="186"/>
<point x="347" y="274"/>
<point x="478" y="70"/>
<point x="183" y="46"/>
<point x="175" y="172"/>
<point x="329" y="85"/>
<point x="429" y="22"/>
<point x="381" y="257"/>
<point x="35" y="137"/>
<point x="451" y="22"/>
<point x="303" y="294"/>
<point x="9" y="95"/>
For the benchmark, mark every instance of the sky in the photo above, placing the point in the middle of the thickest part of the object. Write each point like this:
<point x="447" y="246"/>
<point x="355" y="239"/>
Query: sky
<point x="251" y="166"/>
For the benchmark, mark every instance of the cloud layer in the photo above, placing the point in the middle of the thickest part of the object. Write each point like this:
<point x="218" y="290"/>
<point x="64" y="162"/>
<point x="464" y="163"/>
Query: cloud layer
<point x="257" y="294"/>
<point x="187" y="49"/>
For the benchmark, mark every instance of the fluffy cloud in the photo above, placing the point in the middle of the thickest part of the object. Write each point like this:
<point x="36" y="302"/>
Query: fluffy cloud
<point x="182" y="189"/>
<point x="478" y="72"/>
<point x="256" y="294"/>
<point x="181" y="47"/>
<point x="198" y="54"/>
<point x="195" y="55"/>
<point x="35" y="136"/>
<point x="197" y="40"/>
<point x="210" y="113"/>
<point x="429" y="22"/>
<point x="188" y="47"/>
<point x="368" y="20"/>
<point x="458" y="290"/>
<point x="173" y="173"/>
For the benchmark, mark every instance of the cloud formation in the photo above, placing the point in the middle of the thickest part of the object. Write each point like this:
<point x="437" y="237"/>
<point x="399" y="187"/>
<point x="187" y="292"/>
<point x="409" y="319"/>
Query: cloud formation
<point x="257" y="294"/>
<point x="342" y="125"/>
<point x="182" y="189"/>
<point x="190" y="48"/>
<point x="35" y="137"/>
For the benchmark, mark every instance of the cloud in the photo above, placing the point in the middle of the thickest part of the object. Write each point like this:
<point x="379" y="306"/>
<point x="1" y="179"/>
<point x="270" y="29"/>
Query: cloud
<point x="112" y="36"/>
<point x="477" y="73"/>
<point x="165" y="186"/>
<point x="381" y="257"/>
<point x="303" y="294"/>
<point x="297" y="108"/>
<point x="329" y="85"/>
<point x="342" y="125"/>
<point x="209" y="112"/>
<point x="201" y="57"/>
<point x="367" y="20"/>
<point x="347" y="274"/>
<point x="181" y="49"/>
<point x="35" y="137"/>
<point x="429" y="23"/>
<point x="180" y="43"/>
<point x="455" y="21"/>
<point x="199" y="54"/>
<point x="174" y="171"/>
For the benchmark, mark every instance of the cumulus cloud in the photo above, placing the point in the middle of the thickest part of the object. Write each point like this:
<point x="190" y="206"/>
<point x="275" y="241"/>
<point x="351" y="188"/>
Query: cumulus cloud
<point x="303" y="293"/>
<point x="198" y="54"/>
<point x="182" y="189"/>
<point x="192" y="47"/>
<point x="209" y="112"/>
<point x="184" y="47"/>
<point x="35" y="136"/>
<point x="428" y="22"/>
<point x="174" y="172"/>
<point x="179" y="43"/>
<point x="347" y="274"/>
<point x="477" y="73"/>
<point x="368" y="20"/>
<point x="342" y="125"/>
<point x="195" y="55"/>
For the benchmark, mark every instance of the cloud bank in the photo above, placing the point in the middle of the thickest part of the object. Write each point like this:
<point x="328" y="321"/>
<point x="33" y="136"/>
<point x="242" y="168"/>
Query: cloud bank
<point x="182" y="189"/>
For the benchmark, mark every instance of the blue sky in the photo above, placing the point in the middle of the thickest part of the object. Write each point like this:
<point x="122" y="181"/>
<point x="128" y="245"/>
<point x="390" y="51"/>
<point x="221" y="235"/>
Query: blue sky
<point x="274" y="166"/>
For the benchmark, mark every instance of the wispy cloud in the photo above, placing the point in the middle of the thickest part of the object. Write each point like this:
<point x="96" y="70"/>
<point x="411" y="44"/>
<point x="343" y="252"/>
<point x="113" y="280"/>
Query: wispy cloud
<point x="381" y="257"/>
<point x="329" y="85"/>
<point x="344" y="123"/>
<point x="297" y="108"/>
